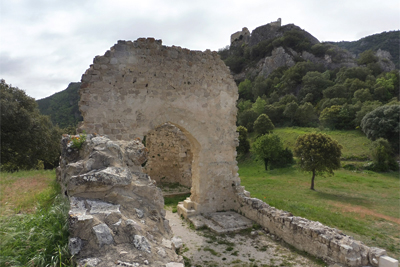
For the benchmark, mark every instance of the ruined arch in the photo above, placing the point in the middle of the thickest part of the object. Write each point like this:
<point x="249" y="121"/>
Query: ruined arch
<point x="170" y="157"/>
<point x="137" y="86"/>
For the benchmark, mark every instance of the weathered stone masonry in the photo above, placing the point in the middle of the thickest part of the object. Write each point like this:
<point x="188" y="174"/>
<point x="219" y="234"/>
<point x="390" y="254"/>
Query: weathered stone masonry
<point x="138" y="86"/>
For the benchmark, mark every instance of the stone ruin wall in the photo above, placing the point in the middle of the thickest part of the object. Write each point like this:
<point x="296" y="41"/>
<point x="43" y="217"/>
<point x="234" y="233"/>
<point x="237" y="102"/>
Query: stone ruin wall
<point x="137" y="86"/>
<point x="170" y="156"/>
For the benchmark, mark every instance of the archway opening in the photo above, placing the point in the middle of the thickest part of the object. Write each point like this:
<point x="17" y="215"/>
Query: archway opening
<point x="172" y="153"/>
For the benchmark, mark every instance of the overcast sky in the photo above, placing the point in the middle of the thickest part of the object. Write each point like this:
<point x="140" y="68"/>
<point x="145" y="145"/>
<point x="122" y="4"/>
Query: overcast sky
<point x="46" y="44"/>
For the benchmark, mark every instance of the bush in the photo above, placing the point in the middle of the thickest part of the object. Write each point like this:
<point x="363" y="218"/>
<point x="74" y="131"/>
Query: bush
<point x="244" y="145"/>
<point x="284" y="159"/>
<point x="382" y="156"/>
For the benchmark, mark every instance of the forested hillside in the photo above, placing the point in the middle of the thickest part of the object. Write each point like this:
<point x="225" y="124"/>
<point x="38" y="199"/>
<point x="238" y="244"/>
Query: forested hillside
<point x="296" y="82"/>
<point x="388" y="41"/>
<point x="62" y="107"/>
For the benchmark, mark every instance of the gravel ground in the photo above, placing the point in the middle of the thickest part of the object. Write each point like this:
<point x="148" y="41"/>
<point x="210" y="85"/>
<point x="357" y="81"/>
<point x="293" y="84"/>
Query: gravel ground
<point x="247" y="248"/>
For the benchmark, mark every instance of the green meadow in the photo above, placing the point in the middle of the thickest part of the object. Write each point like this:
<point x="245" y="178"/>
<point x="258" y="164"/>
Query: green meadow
<point x="361" y="203"/>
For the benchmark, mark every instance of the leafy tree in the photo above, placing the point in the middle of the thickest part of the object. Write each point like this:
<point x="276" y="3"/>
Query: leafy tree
<point x="27" y="137"/>
<point x="383" y="122"/>
<point x="259" y="105"/>
<point x="337" y="117"/>
<point x="335" y="91"/>
<point x="366" y="107"/>
<point x="263" y="125"/>
<point x="244" y="105"/>
<point x="306" y="115"/>
<point x="247" y="118"/>
<point x="318" y="154"/>
<point x="314" y="83"/>
<point x="244" y="145"/>
<point x="330" y="117"/>
<point x="367" y="57"/>
<point x="245" y="90"/>
<point x="290" y="111"/>
<point x="283" y="159"/>
<point x="268" y="147"/>
<point x="360" y="73"/>
<point x="382" y="156"/>
<point x="261" y="87"/>
<point x="363" y="95"/>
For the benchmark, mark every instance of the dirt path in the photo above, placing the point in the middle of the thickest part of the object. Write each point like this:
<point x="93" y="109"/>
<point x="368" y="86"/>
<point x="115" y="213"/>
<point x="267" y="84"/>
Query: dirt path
<point x="248" y="248"/>
<point x="364" y="211"/>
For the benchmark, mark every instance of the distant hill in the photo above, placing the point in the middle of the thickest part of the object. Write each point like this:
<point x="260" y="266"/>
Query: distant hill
<point x="388" y="41"/>
<point x="62" y="107"/>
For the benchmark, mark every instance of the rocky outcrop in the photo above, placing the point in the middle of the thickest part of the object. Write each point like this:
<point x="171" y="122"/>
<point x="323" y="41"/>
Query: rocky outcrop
<point x="116" y="215"/>
<point x="385" y="60"/>
<point x="274" y="30"/>
<point x="279" y="58"/>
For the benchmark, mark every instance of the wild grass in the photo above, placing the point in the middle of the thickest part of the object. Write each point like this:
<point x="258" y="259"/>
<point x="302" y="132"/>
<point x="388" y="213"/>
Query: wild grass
<point x="34" y="227"/>
<point x="364" y="204"/>
<point x="21" y="191"/>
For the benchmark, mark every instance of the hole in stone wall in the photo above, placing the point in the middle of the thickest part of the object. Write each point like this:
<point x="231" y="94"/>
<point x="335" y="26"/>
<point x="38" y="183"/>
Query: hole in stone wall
<point x="170" y="160"/>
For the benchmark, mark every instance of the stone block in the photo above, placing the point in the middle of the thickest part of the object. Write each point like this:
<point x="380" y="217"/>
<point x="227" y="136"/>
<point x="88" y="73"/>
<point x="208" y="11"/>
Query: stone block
<point x="385" y="261"/>
<point x="103" y="234"/>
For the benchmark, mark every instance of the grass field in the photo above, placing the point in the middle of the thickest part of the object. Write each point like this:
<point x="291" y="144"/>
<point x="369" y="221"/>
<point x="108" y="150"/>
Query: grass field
<point x="33" y="220"/>
<point x="364" y="204"/>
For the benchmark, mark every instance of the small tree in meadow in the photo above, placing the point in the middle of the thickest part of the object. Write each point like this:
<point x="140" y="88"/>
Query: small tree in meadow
<point x="268" y="147"/>
<point x="382" y="156"/>
<point x="318" y="154"/>
<point x="263" y="125"/>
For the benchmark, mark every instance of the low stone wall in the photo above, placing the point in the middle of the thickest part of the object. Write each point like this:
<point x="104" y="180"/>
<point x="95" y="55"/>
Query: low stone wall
<point x="313" y="237"/>
<point x="116" y="215"/>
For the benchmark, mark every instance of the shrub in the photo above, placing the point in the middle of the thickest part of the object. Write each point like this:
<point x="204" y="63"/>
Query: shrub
<point x="244" y="145"/>
<point x="382" y="156"/>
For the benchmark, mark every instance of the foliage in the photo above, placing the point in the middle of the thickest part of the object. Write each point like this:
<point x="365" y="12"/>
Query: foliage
<point x="282" y="160"/>
<point x="244" y="145"/>
<point x="382" y="156"/>
<point x="247" y="118"/>
<point x="27" y="137"/>
<point x="269" y="147"/>
<point x="318" y="154"/>
<point x="259" y="106"/>
<point x="78" y="141"/>
<point x="306" y="116"/>
<point x="62" y="107"/>
<point x="383" y="122"/>
<point x="263" y="125"/>
<point x="367" y="57"/>
<point x="245" y="90"/>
